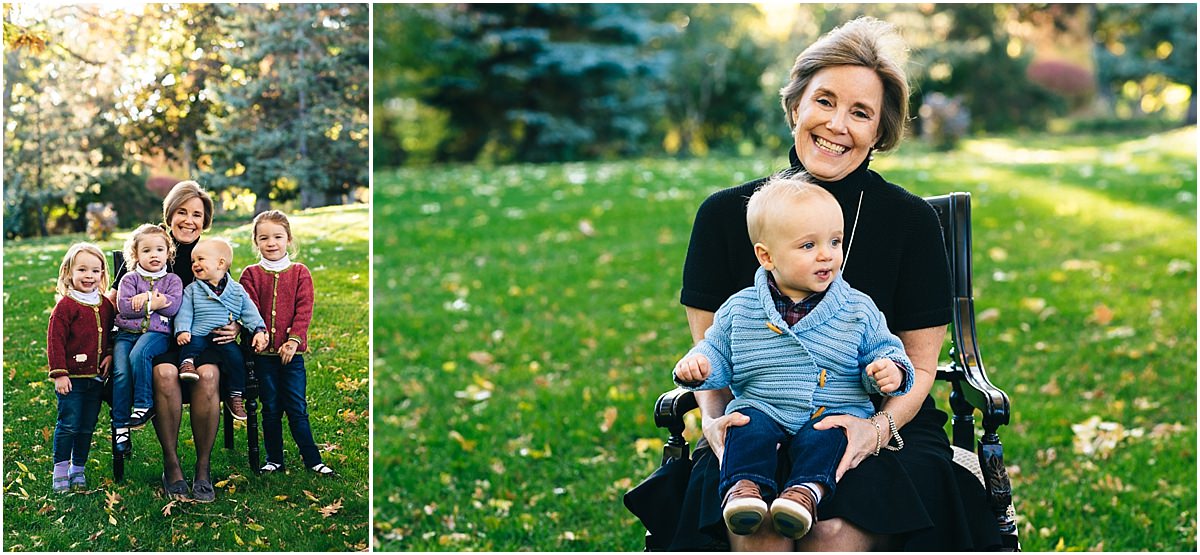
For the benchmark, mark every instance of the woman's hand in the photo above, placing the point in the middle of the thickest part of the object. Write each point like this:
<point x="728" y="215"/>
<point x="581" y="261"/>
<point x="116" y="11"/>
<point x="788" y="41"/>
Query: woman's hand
<point x="715" y="428"/>
<point x="227" y="333"/>
<point x="861" y="437"/>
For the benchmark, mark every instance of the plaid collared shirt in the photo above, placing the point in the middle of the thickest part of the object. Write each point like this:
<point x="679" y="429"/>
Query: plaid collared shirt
<point x="791" y="311"/>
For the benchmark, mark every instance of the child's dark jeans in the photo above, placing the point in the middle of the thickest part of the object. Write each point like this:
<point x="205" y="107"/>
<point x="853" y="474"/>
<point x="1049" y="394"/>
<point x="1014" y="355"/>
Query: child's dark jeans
<point x="77" y="415"/>
<point x="133" y="367"/>
<point x="233" y="368"/>
<point x="750" y="454"/>
<point x="283" y="391"/>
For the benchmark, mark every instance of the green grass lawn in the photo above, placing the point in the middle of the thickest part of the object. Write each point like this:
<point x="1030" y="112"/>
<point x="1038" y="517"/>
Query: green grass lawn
<point x="527" y="316"/>
<point x="296" y="511"/>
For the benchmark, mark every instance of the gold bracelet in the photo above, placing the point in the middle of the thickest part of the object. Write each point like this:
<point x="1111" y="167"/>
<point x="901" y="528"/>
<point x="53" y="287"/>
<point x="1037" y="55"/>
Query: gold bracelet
<point x="878" y="435"/>
<point x="895" y="432"/>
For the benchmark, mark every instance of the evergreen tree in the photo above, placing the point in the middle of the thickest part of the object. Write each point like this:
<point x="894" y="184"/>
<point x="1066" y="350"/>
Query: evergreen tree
<point x="294" y="95"/>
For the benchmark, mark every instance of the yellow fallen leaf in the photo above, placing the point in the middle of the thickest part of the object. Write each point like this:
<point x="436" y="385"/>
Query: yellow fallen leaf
<point x="467" y="445"/>
<point x="281" y="498"/>
<point x="311" y="497"/>
<point x="112" y="520"/>
<point x="221" y="484"/>
<point x="255" y="527"/>
<point x="238" y="539"/>
<point x="22" y="467"/>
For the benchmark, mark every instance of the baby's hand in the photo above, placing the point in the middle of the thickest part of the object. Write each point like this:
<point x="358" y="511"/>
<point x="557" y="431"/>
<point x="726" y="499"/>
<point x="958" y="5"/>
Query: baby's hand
<point x="139" y="301"/>
<point x="183" y="338"/>
<point x="259" y="342"/>
<point x="693" y="368"/>
<point x="62" y="385"/>
<point x="886" y="374"/>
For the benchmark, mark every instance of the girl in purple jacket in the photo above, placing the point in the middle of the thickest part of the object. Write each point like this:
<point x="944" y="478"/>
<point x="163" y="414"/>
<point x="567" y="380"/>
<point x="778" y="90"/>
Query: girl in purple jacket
<point x="147" y="298"/>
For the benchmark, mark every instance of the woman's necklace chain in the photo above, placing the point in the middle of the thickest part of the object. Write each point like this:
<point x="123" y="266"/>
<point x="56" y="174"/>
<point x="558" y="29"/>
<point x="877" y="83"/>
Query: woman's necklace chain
<point x="853" y="228"/>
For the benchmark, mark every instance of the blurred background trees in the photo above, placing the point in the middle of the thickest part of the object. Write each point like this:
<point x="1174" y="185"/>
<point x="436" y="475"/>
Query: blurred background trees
<point x="263" y="104"/>
<point x="538" y="83"/>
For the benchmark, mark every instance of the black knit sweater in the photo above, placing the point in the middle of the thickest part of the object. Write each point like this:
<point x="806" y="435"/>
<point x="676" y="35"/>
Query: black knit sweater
<point x="896" y="254"/>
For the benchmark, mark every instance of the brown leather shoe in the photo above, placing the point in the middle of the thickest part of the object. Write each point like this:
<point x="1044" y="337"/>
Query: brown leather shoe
<point x="237" y="407"/>
<point x="187" y="371"/>
<point x="744" y="508"/>
<point x="794" y="512"/>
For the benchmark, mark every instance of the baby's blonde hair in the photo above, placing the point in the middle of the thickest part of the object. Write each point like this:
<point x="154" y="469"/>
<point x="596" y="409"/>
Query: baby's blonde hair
<point x="223" y="246"/>
<point x="64" y="270"/>
<point x="142" y="232"/>
<point x="278" y="218"/>
<point x="767" y="198"/>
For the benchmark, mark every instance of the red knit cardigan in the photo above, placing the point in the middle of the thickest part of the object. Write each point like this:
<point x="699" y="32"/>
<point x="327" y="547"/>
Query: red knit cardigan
<point x="285" y="300"/>
<point x="79" y="337"/>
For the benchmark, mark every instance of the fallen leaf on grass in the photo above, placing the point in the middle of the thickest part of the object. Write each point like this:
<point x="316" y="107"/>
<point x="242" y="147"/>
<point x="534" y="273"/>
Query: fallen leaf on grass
<point x="1101" y="314"/>
<point x="281" y="498"/>
<point x="311" y="497"/>
<point x="645" y="444"/>
<point x="331" y="509"/>
<point x="481" y="358"/>
<point x="1095" y="437"/>
<point x="467" y="445"/>
<point x="610" y="416"/>
<point x="255" y="527"/>
<point x="166" y="511"/>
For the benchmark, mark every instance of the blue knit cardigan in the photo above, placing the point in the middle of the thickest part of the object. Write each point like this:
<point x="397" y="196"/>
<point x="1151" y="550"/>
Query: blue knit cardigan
<point x="203" y="311"/>
<point x="778" y="370"/>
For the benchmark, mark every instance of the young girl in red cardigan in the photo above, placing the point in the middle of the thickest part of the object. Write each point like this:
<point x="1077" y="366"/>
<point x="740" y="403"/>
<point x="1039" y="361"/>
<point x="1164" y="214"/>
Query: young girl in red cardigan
<point x="283" y="292"/>
<point x="79" y="351"/>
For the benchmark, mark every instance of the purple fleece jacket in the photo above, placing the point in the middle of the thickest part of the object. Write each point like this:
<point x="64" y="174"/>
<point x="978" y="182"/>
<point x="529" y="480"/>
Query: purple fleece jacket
<point x="159" y="320"/>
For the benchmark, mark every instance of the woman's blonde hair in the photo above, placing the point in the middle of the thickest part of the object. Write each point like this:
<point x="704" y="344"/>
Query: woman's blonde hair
<point x="866" y="42"/>
<point x="278" y="218"/>
<point x="64" y="270"/>
<point x="182" y="192"/>
<point x="142" y="232"/>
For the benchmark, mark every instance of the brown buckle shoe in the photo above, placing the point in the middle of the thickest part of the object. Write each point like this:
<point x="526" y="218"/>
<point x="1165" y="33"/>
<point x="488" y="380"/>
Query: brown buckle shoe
<point x="187" y="371"/>
<point x="744" y="508"/>
<point x="794" y="512"/>
<point x="236" y="407"/>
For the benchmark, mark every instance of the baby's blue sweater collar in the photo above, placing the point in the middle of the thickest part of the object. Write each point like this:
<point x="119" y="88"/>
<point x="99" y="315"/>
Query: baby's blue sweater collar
<point x="835" y="297"/>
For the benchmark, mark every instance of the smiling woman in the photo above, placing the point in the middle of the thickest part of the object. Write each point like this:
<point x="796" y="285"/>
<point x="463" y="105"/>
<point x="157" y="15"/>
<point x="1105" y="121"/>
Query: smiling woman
<point x="847" y="98"/>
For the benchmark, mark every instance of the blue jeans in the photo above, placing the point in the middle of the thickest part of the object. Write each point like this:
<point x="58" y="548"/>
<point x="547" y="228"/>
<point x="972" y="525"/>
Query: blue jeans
<point x="133" y="367"/>
<point x="234" y="368"/>
<point x="750" y="454"/>
<point x="283" y="391"/>
<point x="77" y="415"/>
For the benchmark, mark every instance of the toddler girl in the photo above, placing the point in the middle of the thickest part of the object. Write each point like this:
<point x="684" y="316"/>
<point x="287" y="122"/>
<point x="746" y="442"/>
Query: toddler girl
<point x="283" y="292"/>
<point x="79" y="352"/>
<point x="147" y="297"/>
